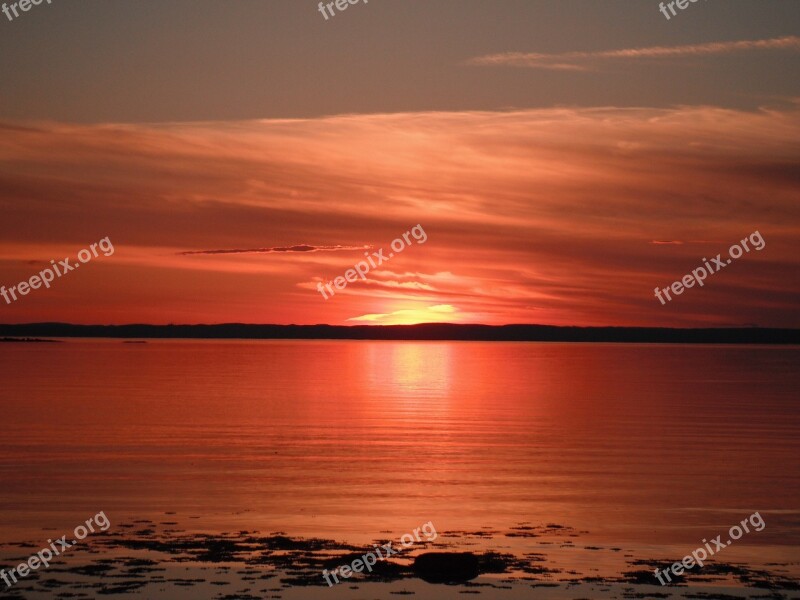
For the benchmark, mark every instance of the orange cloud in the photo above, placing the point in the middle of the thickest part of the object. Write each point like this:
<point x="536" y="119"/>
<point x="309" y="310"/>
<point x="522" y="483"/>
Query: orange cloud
<point x="545" y="216"/>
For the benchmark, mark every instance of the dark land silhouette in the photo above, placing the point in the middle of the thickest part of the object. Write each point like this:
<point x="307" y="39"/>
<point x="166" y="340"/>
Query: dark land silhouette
<point x="427" y="331"/>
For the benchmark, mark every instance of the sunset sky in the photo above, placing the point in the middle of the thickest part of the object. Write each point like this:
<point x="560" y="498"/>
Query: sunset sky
<point x="564" y="158"/>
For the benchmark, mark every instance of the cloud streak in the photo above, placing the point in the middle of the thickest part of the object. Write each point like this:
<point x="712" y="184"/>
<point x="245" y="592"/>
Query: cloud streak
<point x="278" y="249"/>
<point x="583" y="61"/>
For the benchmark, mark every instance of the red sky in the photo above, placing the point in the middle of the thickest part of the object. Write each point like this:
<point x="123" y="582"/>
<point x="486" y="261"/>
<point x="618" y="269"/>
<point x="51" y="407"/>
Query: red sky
<point x="532" y="216"/>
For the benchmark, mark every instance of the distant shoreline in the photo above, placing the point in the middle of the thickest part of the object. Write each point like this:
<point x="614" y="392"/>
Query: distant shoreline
<point x="428" y="331"/>
<point x="16" y="340"/>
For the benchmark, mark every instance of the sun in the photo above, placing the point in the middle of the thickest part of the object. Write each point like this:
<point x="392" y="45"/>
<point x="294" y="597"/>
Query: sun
<point x="439" y="313"/>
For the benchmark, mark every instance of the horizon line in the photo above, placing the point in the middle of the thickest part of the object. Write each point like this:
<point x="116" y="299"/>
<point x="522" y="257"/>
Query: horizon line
<point x="370" y="326"/>
<point x="416" y="332"/>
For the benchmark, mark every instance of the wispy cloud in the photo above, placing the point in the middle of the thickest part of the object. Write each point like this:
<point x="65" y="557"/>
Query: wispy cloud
<point x="582" y="61"/>
<point x="681" y="243"/>
<point x="297" y="248"/>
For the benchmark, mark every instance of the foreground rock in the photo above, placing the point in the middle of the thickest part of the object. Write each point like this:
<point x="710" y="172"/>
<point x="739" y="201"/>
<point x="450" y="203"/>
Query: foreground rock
<point x="446" y="567"/>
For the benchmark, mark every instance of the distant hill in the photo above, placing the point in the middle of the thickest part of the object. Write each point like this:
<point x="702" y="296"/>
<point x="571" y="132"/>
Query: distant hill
<point x="428" y="331"/>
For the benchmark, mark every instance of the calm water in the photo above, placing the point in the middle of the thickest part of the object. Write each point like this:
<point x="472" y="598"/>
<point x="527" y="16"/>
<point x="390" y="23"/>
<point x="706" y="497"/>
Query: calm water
<point x="635" y="444"/>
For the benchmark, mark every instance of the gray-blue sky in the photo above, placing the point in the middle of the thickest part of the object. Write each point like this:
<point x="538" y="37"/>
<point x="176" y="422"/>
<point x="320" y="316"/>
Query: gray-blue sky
<point x="184" y="60"/>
